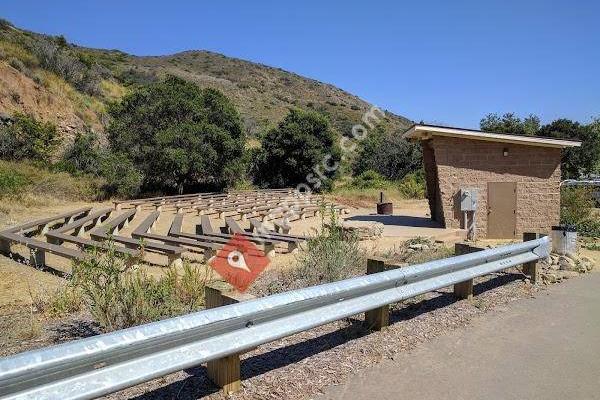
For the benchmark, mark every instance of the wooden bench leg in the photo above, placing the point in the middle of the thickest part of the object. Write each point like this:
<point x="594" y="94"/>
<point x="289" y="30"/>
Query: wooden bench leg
<point x="464" y="290"/>
<point x="270" y="250"/>
<point x="53" y="240"/>
<point x="378" y="318"/>
<point x="37" y="258"/>
<point x="5" y="247"/>
<point x="45" y="229"/>
<point x="209" y="254"/>
<point x="175" y="260"/>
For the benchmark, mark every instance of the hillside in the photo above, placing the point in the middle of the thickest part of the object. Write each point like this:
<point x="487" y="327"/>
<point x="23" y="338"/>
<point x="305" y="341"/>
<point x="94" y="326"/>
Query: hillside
<point x="70" y="85"/>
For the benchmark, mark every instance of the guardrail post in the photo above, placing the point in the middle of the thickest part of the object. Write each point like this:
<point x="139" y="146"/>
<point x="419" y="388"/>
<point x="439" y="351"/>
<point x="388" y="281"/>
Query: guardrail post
<point x="224" y="372"/>
<point x="464" y="290"/>
<point x="531" y="269"/>
<point x="378" y="318"/>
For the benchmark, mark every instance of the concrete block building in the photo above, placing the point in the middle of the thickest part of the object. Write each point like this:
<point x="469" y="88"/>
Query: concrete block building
<point x="495" y="185"/>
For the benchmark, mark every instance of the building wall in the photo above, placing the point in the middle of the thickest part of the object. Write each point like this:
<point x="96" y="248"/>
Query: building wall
<point x="431" y="181"/>
<point x="465" y="163"/>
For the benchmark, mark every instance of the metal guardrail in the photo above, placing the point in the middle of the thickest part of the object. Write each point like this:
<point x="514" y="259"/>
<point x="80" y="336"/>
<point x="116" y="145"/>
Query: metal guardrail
<point x="95" y="366"/>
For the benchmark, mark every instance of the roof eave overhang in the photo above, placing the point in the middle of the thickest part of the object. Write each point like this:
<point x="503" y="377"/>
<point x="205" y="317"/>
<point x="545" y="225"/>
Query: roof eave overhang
<point x="424" y="133"/>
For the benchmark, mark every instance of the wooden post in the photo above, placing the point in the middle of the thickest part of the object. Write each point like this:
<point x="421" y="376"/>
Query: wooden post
<point x="464" y="290"/>
<point x="224" y="372"/>
<point x="378" y="318"/>
<point x="37" y="258"/>
<point x="5" y="247"/>
<point x="531" y="269"/>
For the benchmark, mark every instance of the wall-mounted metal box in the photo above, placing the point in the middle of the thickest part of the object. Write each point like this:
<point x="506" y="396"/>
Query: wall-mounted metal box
<point x="468" y="199"/>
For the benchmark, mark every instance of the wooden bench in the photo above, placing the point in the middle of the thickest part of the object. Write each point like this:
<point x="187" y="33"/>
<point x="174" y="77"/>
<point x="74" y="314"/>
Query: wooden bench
<point x="143" y="231"/>
<point x="292" y="242"/>
<point x="258" y="226"/>
<point x="83" y="224"/>
<point x="222" y="239"/>
<point x="280" y="226"/>
<point x="91" y="244"/>
<point x="110" y="231"/>
<point x="38" y="249"/>
<point x="44" y="224"/>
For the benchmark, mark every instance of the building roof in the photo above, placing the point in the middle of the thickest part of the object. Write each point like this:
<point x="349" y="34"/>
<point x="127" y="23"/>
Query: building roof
<point x="424" y="132"/>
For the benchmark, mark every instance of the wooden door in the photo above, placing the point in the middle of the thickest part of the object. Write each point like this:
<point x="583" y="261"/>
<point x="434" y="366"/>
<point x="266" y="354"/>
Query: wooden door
<point x="502" y="210"/>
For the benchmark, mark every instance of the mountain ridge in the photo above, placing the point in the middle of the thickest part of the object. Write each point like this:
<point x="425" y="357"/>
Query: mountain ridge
<point x="261" y="93"/>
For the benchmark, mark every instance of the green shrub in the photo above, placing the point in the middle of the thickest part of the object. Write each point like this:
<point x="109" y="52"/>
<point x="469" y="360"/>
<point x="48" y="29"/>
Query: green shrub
<point x="412" y="186"/>
<point x="576" y="205"/>
<point x="84" y="155"/>
<point x="57" y="56"/>
<point x="123" y="179"/>
<point x="370" y="180"/>
<point x="330" y="256"/>
<point x="119" y="297"/>
<point x="28" y="138"/>
<point x="37" y="181"/>
<point x="388" y="154"/>
<point x="11" y="182"/>
<point x="179" y="136"/>
<point x="302" y="149"/>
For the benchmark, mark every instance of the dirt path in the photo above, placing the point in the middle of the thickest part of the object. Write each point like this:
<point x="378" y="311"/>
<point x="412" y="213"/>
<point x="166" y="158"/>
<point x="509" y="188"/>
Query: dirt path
<point x="547" y="347"/>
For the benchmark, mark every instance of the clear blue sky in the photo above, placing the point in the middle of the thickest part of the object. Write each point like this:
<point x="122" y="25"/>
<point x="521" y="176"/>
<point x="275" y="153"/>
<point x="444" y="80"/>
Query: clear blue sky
<point x="448" y="62"/>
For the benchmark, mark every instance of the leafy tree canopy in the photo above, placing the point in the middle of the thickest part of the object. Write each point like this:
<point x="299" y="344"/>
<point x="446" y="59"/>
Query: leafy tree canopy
<point x="179" y="136"/>
<point x="388" y="154"/>
<point x="302" y="149"/>
<point x="510" y="123"/>
<point x="576" y="161"/>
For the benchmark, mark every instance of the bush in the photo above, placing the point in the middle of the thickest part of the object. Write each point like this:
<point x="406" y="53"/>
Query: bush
<point x="39" y="182"/>
<point x="27" y="138"/>
<point x="575" y="205"/>
<point x="330" y="256"/>
<point x="370" y="180"/>
<point x="302" y="149"/>
<point x="11" y="182"/>
<point x="119" y="297"/>
<point x="388" y="154"/>
<point x="84" y="156"/>
<point x="412" y="186"/>
<point x="576" y="209"/>
<point x="56" y="56"/>
<point x="179" y="136"/>
<point x="123" y="179"/>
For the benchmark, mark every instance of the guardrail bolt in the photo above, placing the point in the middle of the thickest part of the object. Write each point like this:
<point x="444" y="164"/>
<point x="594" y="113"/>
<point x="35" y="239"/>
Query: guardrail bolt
<point x="378" y="318"/>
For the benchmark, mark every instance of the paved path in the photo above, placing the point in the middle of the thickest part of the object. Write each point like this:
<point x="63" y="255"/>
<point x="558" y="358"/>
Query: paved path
<point x="542" y="348"/>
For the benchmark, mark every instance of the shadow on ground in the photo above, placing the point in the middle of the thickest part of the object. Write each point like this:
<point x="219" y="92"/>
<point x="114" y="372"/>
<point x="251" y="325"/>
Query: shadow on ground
<point x="398" y="220"/>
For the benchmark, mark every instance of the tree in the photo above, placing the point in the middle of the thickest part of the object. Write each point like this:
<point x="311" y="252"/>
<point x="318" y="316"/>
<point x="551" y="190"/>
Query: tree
<point x="302" y="149"/>
<point x="83" y="156"/>
<point x="179" y="136"/>
<point x="576" y="161"/>
<point x="510" y="123"/>
<point x="388" y="154"/>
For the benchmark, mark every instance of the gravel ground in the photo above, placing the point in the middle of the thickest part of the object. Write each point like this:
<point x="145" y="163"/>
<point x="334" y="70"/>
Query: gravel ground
<point x="300" y="366"/>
